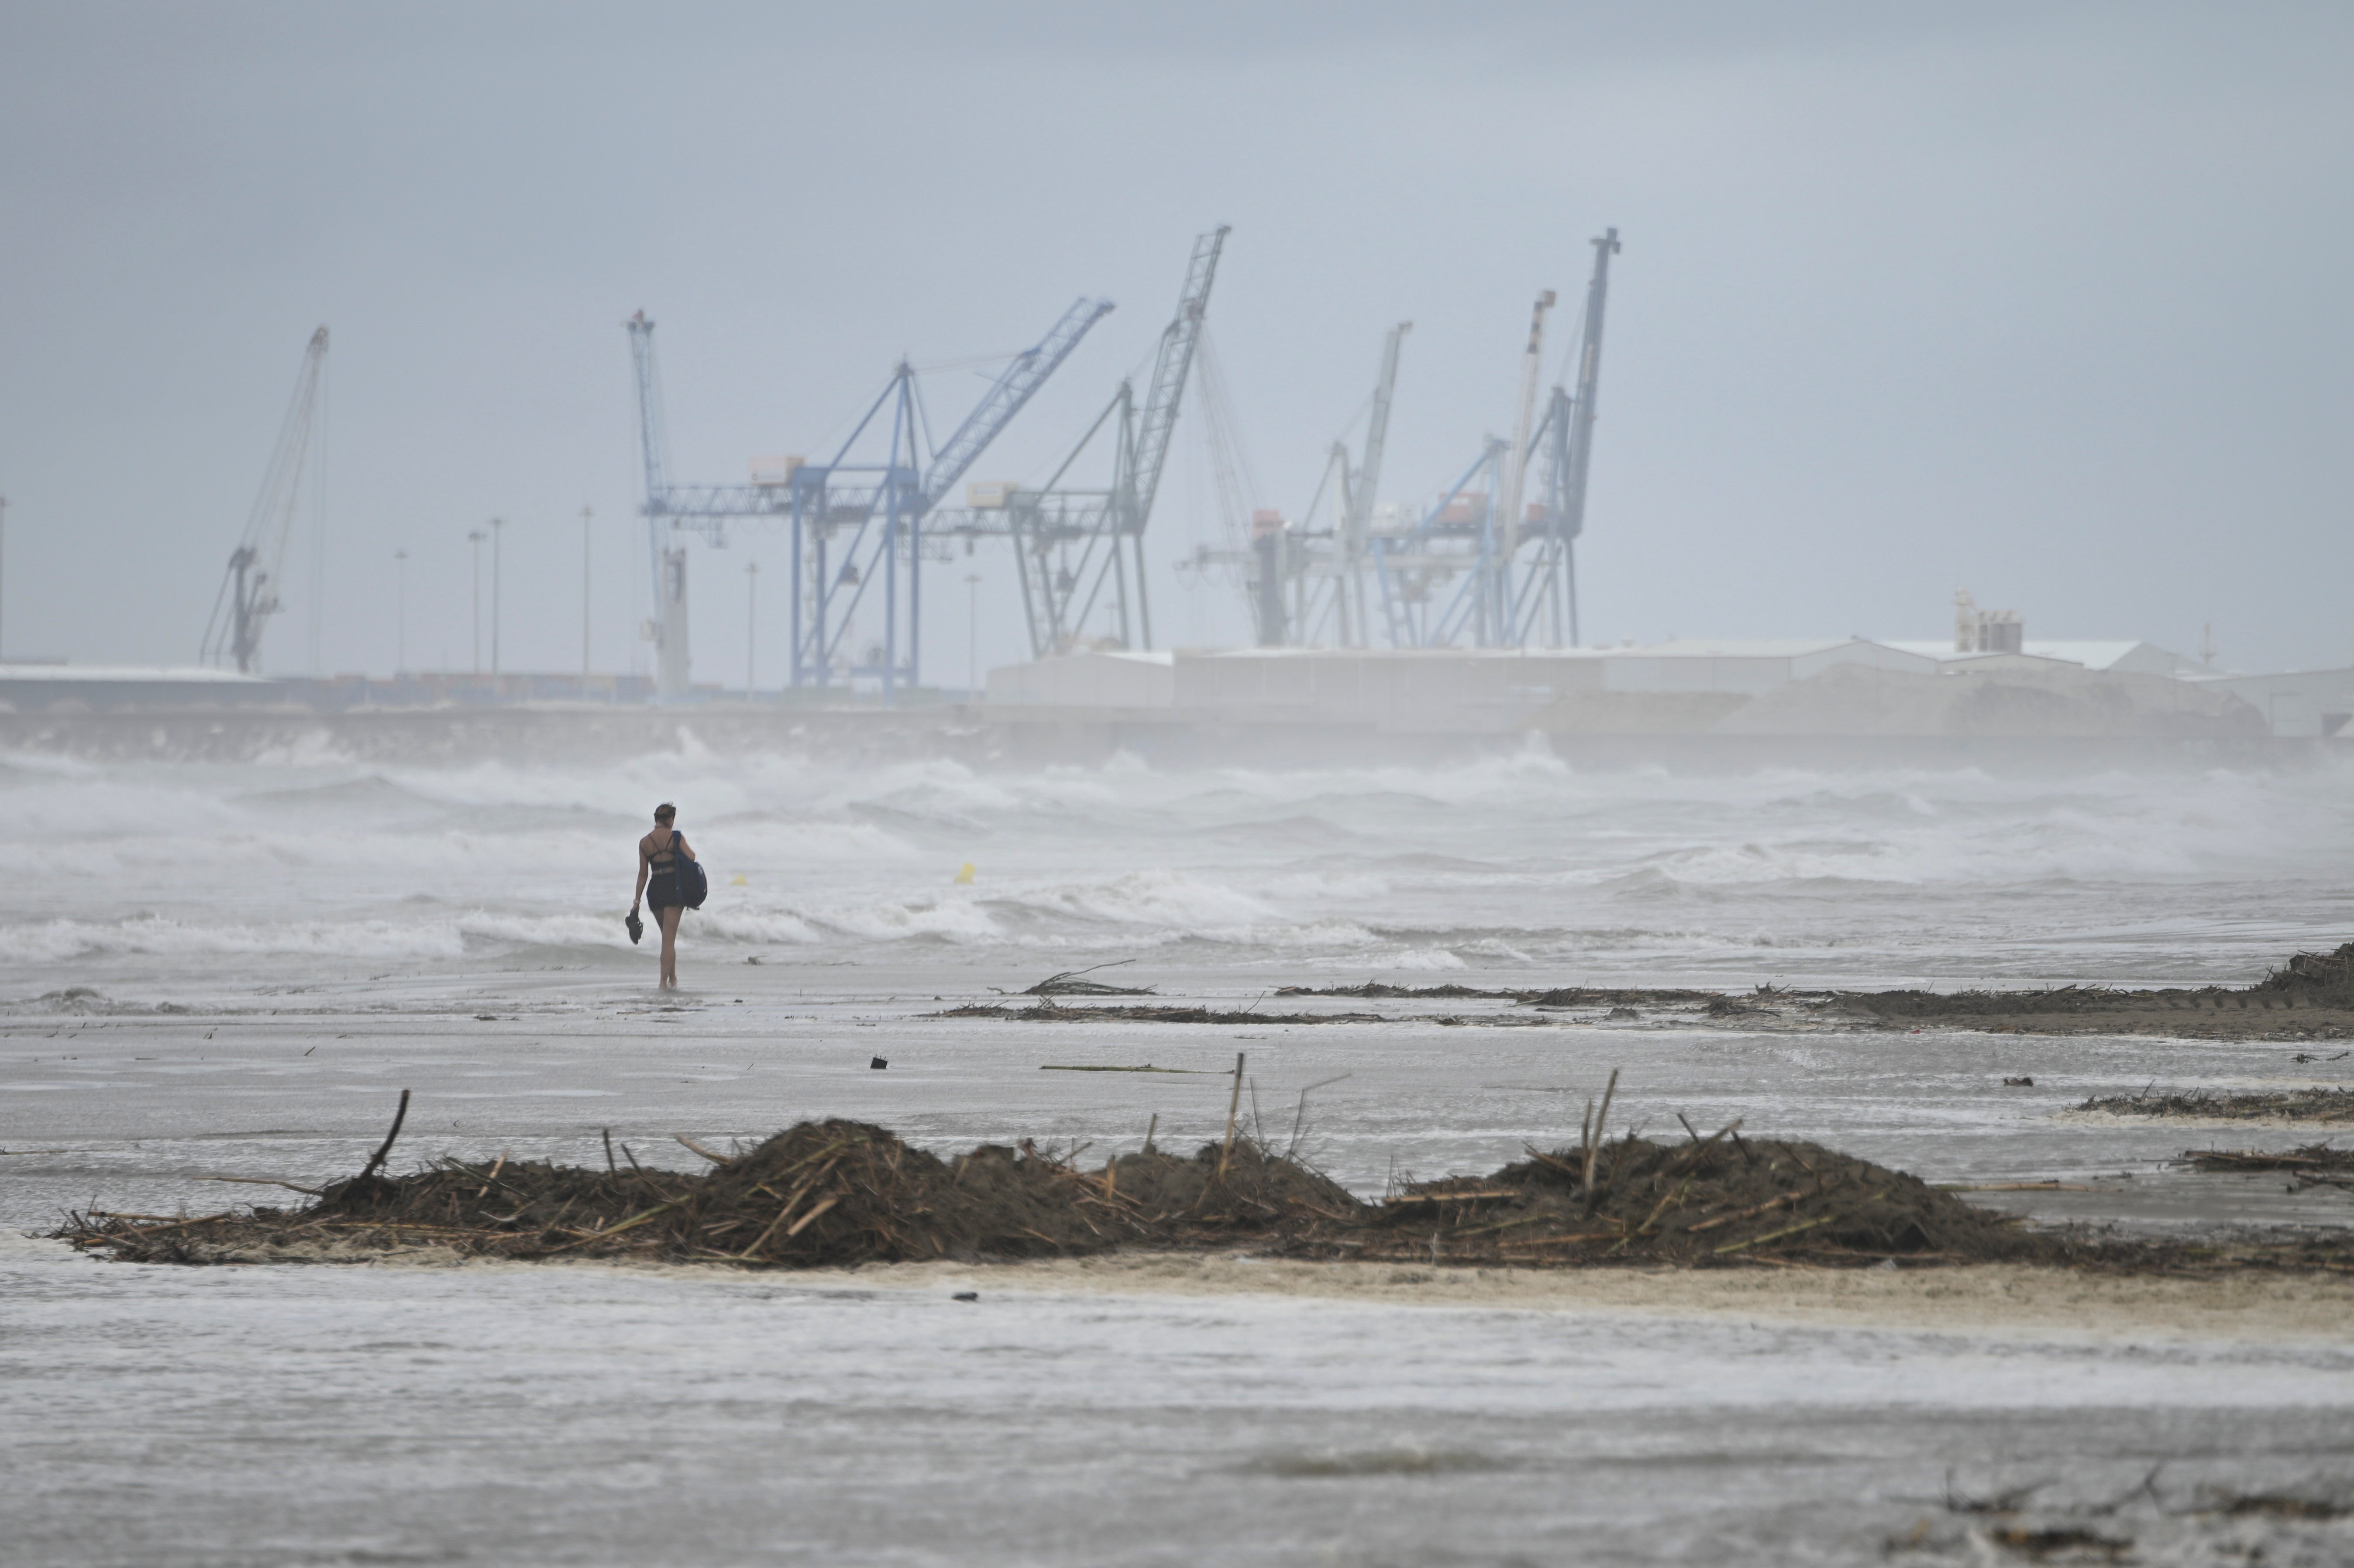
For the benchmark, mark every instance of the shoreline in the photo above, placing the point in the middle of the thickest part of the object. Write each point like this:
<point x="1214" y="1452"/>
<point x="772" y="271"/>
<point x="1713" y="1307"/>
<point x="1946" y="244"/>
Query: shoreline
<point x="2000" y="1299"/>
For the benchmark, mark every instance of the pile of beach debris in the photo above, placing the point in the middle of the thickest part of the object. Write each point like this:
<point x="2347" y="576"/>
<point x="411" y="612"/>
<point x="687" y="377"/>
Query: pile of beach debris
<point x="1709" y="1200"/>
<point x="845" y="1192"/>
<point x="822" y="1192"/>
<point x="2318" y="1104"/>
<point x="2315" y="977"/>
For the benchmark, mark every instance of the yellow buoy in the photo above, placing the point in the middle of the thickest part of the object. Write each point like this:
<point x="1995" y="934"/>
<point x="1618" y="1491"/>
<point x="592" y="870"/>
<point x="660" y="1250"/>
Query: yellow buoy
<point x="739" y="881"/>
<point x="964" y="874"/>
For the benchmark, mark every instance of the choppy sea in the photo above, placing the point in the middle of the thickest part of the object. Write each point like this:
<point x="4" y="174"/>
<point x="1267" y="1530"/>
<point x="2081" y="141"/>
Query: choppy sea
<point x="169" y="879"/>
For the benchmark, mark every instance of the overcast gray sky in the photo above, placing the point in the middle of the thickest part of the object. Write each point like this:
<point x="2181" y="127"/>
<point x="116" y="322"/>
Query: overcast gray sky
<point x="2048" y="301"/>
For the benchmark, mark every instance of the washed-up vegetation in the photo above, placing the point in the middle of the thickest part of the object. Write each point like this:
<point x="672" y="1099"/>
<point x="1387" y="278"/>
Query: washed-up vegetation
<point x="2309" y="999"/>
<point x="1047" y="1010"/>
<point x="2320" y="986"/>
<point x="2315" y="1104"/>
<point x="838" y="1192"/>
<point x="2313" y="1157"/>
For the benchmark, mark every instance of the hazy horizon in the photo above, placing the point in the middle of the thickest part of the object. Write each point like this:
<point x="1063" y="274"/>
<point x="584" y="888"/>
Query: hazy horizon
<point x="2040" y="301"/>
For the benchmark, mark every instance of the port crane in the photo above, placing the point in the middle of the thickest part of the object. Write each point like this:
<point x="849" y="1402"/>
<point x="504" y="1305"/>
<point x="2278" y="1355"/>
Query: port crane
<point x="249" y="592"/>
<point x="1512" y="563"/>
<point x="858" y="527"/>
<point x="1306" y="577"/>
<point x="1072" y="543"/>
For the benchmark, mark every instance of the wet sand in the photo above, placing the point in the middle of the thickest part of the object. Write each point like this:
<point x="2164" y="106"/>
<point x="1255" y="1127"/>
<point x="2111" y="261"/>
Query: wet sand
<point x="1139" y="1410"/>
<point x="1978" y="1299"/>
<point x="1209" y="1410"/>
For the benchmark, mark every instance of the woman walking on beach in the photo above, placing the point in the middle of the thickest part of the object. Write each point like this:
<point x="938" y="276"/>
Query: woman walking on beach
<point x="659" y="854"/>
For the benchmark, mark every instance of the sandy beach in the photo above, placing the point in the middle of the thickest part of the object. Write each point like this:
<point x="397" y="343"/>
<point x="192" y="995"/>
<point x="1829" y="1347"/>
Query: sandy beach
<point x="168" y="1031"/>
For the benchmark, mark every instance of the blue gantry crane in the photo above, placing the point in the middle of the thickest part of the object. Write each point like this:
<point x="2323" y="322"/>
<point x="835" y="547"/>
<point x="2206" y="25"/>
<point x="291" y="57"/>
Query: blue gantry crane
<point x="1511" y="564"/>
<point x="1305" y="576"/>
<point x="1073" y="544"/>
<point x="858" y="527"/>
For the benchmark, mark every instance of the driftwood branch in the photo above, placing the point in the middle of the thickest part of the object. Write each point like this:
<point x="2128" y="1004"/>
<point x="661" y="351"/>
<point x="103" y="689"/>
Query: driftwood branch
<point x="383" y="1149"/>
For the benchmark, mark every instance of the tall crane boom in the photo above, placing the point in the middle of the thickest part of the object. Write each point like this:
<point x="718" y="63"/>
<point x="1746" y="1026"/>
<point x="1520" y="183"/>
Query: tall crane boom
<point x="651" y="442"/>
<point x="248" y="593"/>
<point x="1516" y="463"/>
<point x="1589" y="383"/>
<point x="1578" y="457"/>
<point x="1006" y="397"/>
<point x="667" y="629"/>
<point x="1082" y="548"/>
<point x="1364" y="489"/>
<point x="1169" y="371"/>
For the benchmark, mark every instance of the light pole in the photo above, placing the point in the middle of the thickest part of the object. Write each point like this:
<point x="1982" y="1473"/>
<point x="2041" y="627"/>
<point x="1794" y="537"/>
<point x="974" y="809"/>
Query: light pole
<point x="476" y="538"/>
<point x="751" y="612"/>
<point x="497" y="523"/>
<point x="584" y="515"/>
<point x="400" y="612"/>
<point x="4" y="573"/>
<point x="972" y="635"/>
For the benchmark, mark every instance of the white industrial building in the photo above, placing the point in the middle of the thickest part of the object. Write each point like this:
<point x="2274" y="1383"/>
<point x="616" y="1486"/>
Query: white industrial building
<point x="1817" y="685"/>
<point x="2125" y="657"/>
<point x="1431" y="688"/>
<point x="2302" y="704"/>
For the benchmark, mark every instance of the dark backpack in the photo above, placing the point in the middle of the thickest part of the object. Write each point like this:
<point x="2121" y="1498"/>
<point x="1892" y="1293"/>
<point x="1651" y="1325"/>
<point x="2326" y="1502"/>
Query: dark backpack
<point x="693" y="887"/>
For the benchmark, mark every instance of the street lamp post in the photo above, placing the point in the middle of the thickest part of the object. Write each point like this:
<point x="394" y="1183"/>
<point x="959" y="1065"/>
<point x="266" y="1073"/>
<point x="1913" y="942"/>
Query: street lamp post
<point x="400" y="612"/>
<point x="584" y="515"/>
<point x="475" y="539"/>
<point x="496" y="525"/>
<point x="972" y="635"/>
<point x="751" y="613"/>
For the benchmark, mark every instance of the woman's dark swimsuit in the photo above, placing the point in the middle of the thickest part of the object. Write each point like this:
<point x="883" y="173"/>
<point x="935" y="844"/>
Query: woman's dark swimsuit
<point x="661" y="887"/>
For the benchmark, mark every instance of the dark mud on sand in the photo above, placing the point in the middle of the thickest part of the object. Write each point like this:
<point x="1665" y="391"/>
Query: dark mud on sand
<point x="2311" y="997"/>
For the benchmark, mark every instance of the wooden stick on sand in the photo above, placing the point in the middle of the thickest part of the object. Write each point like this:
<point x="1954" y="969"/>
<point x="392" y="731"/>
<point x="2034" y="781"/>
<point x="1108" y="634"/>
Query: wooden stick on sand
<point x="1234" y="1105"/>
<point x="385" y="1147"/>
<point x="1601" y="1127"/>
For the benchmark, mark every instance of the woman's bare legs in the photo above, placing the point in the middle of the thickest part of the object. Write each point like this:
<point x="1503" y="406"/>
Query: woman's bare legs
<point x="669" y="919"/>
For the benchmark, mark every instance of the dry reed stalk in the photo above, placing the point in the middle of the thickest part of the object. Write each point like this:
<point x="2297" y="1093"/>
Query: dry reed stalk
<point x="1234" y="1105"/>
<point x="1775" y="1236"/>
<point x="1773" y="1203"/>
<point x="1601" y="1131"/>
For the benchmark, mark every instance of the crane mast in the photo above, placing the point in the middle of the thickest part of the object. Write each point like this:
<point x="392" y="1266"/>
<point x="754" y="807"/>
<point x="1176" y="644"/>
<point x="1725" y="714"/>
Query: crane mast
<point x="1516" y="466"/>
<point x="1364" y="487"/>
<point x="1498" y="605"/>
<point x="249" y="592"/>
<point x="666" y="559"/>
<point x="1338" y="602"/>
<point x="1579" y="458"/>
